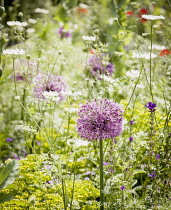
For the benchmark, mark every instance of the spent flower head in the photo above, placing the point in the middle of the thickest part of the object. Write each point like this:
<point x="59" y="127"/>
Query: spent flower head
<point x="100" y="119"/>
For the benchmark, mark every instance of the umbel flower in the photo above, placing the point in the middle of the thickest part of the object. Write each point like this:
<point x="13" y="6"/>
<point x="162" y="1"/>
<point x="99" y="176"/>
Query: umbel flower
<point x="100" y="119"/>
<point x="99" y="66"/>
<point x="49" y="83"/>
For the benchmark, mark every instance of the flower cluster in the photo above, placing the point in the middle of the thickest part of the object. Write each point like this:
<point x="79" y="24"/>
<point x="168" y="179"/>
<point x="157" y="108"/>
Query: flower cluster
<point x="99" y="66"/>
<point x="49" y="83"/>
<point x="100" y="119"/>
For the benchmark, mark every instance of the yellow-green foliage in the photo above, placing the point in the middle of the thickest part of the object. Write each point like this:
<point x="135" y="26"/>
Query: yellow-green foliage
<point x="31" y="189"/>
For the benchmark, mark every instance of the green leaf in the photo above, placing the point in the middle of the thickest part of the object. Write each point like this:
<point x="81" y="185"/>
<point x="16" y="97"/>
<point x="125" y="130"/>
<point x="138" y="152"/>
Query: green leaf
<point x="8" y="174"/>
<point x="5" y="197"/>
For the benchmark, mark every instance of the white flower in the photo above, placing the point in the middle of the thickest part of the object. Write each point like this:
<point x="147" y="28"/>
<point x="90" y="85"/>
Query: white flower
<point x="17" y="23"/>
<point x="133" y="74"/>
<point x="33" y="21"/>
<point x="152" y="17"/>
<point x="143" y="55"/>
<point x="42" y="11"/>
<point x="157" y="47"/>
<point x="71" y="110"/>
<point x="30" y="30"/>
<point x="89" y="38"/>
<point x="13" y="52"/>
<point x="51" y="95"/>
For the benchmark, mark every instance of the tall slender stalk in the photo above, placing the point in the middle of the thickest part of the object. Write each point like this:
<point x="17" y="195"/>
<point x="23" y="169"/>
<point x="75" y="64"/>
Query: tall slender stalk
<point x="151" y="41"/>
<point x="101" y="176"/>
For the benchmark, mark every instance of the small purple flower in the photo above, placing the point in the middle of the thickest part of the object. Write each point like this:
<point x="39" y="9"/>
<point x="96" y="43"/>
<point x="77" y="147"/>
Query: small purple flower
<point x="98" y="66"/>
<point x="131" y="122"/>
<point x="63" y="33"/>
<point x="110" y="170"/>
<point x="131" y="139"/>
<point x="87" y="178"/>
<point x="105" y="163"/>
<point x="88" y="172"/>
<point x="16" y="157"/>
<point x="50" y="182"/>
<point x="9" y="139"/>
<point x="157" y="156"/>
<point x="151" y="106"/>
<point x="38" y="143"/>
<point x="49" y="83"/>
<point x="122" y="188"/>
<point x="153" y="174"/>
<point x="100" y="119"/>
<point x="115" y="141"/>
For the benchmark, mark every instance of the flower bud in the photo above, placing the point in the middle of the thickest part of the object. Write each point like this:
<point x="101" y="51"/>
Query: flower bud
<point x="96" y="32"/>
<point x="2" y="11"/>
<point x="28" y="56"/>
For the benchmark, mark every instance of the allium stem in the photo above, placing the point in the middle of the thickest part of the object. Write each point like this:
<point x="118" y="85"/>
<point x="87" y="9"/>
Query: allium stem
<point x="101" y="176"/>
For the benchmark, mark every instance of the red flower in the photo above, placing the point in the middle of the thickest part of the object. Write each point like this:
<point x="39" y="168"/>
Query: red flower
<point x="80" y="10"/>
<point x="165" y="52"/>
<point x="129" y="13"/>
<point x="142" y="11"/>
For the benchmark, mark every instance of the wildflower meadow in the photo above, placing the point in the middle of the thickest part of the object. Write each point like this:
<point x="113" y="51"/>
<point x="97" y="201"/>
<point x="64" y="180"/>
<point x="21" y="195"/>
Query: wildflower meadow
<point x="85" y="105"/>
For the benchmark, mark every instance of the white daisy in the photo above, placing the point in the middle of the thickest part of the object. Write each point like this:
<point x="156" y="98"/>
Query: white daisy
<point x="152" y="17"/>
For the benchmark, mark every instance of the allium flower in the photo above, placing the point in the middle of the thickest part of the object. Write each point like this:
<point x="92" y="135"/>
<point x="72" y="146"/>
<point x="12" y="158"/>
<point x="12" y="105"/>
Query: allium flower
<point x="151" y="106"/>
<point x="152" y="17"/>
<point x="99" y="67"/>
<point x="165" y="52"/>
<point x="100" y="119"/>
<point x="13" y="52"/>
<point x="49" y="83"/>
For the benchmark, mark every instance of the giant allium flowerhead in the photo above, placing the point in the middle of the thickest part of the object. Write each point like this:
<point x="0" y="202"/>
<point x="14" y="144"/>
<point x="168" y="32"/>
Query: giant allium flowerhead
<point x="49" y="83"/>
<point x="100" y="119"/>
<point x="99" y="66"/>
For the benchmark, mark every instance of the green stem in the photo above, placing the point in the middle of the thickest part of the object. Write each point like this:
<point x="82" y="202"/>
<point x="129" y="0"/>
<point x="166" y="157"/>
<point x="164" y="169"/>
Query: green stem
<point x="151" y="63"/>
<point x="101" y="176"/>
<point x="15" y="85"/>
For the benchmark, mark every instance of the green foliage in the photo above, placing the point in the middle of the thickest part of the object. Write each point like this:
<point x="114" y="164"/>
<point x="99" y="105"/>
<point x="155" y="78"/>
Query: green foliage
<point x="7" y="177"/>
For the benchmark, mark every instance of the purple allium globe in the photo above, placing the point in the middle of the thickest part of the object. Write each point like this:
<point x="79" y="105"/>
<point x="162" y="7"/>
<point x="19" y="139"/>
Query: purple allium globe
<point x="49" y="83"/>
<point x="99" y="66"/>
<point x="100" y="119"/>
